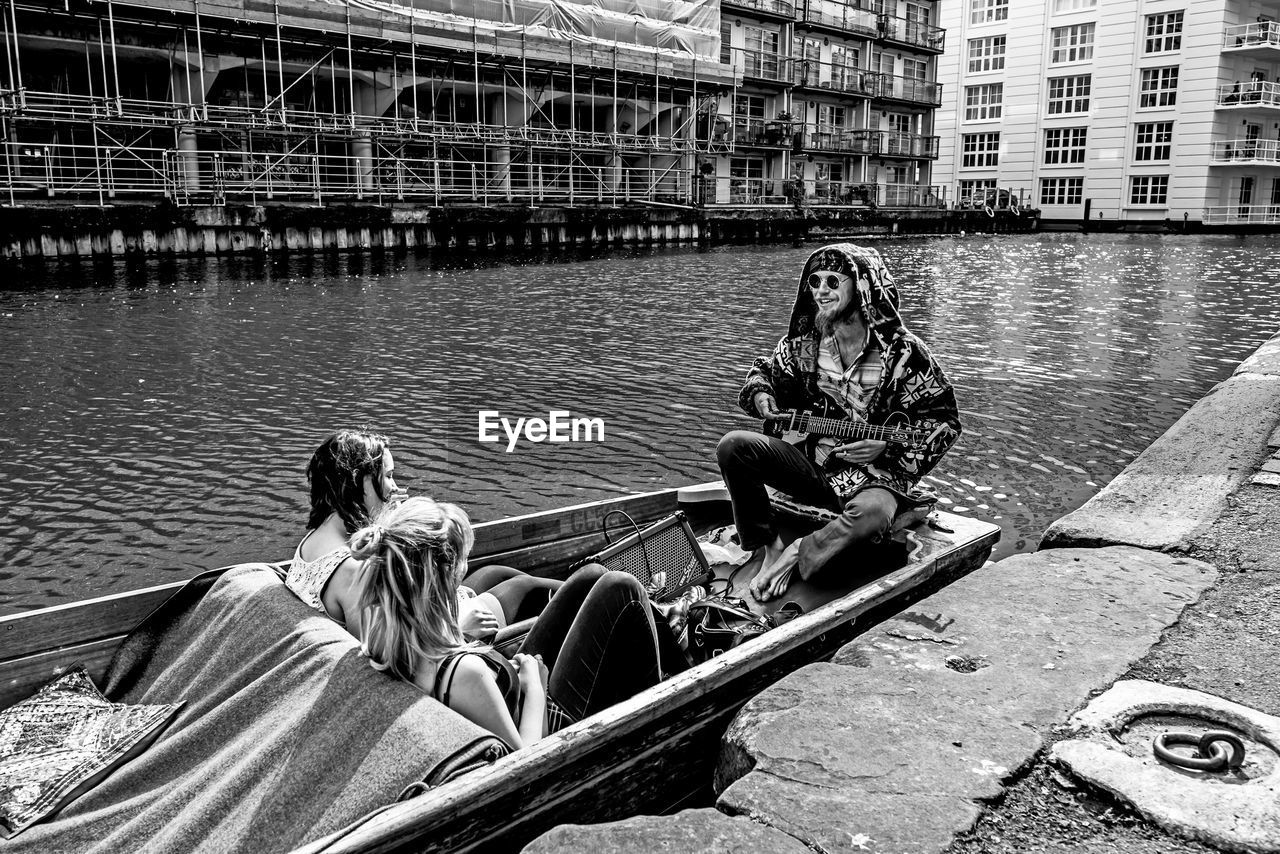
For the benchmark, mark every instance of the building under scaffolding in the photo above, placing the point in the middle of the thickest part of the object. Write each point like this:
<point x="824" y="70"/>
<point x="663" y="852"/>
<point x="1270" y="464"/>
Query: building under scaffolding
<point x="468" y="102"/>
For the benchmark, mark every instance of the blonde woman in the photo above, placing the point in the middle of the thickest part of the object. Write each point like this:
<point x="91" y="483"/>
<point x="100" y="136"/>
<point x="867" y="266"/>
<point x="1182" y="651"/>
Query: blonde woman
<point x="594" y="645"/>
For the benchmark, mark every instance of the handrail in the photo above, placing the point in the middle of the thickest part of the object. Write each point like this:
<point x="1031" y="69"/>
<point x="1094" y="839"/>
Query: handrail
<point x="1242" y="215"/>
<point x="1252" y="150"/>
<point x="1261" y="33"/>
<point x="1250" y="93"/>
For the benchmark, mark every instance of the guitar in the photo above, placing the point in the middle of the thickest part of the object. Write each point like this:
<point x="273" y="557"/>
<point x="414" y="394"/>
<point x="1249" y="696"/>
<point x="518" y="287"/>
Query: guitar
<point x="797" y="426"/>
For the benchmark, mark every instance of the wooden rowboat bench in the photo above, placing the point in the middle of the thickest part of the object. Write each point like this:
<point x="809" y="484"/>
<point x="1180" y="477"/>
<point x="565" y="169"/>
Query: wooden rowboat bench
<point x="652" y="753"/>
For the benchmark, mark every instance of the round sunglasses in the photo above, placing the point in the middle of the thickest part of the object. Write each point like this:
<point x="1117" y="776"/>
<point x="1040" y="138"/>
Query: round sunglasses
<point x="831" y="280"/>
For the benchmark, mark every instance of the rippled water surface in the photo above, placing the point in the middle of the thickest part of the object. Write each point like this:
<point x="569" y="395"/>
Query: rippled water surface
<point x="157" y="416"/>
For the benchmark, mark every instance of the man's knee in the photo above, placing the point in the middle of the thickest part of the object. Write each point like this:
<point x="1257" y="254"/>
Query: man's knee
<point x="870" y="513"/>
<point x="737" y="445"/>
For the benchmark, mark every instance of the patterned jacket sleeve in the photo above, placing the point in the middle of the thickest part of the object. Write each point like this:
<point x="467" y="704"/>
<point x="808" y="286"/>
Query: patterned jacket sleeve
<point x="925" y="396"/>
<point x="775" y="375"/>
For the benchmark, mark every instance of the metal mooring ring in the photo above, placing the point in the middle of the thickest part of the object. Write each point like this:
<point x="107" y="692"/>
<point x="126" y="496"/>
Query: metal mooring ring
<point x="1217" y="750"/>
<point x="1215" y="737"/>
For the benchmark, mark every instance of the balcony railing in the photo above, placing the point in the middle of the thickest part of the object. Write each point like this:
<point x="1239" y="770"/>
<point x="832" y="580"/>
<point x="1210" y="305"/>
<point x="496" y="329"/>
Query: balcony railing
<point x="777" y="192"/>
<point x="861" y="22"/>
<point x="1265" y="34"/>
<point x="761" y="132"/>
<point x="841" y="78"/>
<point x="1242" y="215"/>
<point x="1247" y="151"/>
<point x="760" y="65"/>
<point x="1249" y="93"/>
<point x="911" y="89"/>
<point x="870" y="142"/>
<point x="913" y="33"/>
<point x="780" y="8"/>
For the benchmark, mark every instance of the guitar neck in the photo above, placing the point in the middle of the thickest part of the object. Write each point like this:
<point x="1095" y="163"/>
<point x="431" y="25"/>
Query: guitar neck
<point x="843" y="428"/>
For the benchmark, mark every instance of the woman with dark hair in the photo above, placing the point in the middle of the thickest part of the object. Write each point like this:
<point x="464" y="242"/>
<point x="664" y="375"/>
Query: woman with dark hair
<point x="352" y="477"/>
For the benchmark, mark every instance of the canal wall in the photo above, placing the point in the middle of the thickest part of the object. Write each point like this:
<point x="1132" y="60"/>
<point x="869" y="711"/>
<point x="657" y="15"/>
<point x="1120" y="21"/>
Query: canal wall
<point x="933" y="731"/>
<point x="61" y="231"/>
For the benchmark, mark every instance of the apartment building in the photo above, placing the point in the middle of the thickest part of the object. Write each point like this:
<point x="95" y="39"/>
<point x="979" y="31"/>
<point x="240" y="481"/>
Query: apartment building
<point x="836" y="101"/>
<point x="1143" y="111"/>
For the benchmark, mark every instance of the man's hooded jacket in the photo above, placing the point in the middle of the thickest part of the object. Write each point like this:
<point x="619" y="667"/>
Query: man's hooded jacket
<point x="911" y="382"/>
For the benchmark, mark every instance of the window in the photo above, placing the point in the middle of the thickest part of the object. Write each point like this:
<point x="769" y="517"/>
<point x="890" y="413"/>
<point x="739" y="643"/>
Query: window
<point x="986" y="11"/>
<point x="749" y="106"/>
<point x="844" y="64"/>
<point x="746" y="179"/>
<point x="1164" y="32"/>
<point x="980" y="149"/>
<point x="915" y="69"/>
<point x="726" y="42"/>
<point x="1072" y="44"/>
<point x="1159" y="87"/>
<point x="1069" y="94"/>
<point x="761" y="58"/>
<point x="1061" y="191"/>
<point x="1064" y="145"/>
<point x="986" y="54"/>
<point x="899" y="122"/>
<point x="1060" y="6"/>
<point x="983" y="102"/>
<point x="830" y="117"/>
<point x="1153" y="141"/>
<point x="1149" y="190"/>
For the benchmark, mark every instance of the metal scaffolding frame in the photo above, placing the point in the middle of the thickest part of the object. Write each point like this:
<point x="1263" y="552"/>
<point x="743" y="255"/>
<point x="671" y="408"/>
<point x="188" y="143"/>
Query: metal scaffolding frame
<point x="254" y="111"/>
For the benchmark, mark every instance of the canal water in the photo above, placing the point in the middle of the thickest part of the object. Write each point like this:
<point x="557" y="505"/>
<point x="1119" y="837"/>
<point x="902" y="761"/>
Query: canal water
<point x="156" y="416"/>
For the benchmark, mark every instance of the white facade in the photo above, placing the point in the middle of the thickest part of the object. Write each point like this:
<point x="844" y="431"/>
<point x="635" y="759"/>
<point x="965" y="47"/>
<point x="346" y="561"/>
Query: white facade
<point x="1138" y="110"/>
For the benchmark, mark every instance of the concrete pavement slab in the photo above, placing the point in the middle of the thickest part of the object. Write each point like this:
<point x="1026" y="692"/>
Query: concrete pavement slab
<point x="704" y="831"/>
<point x="1180" y="483"/>
<point x="897" y="743"/>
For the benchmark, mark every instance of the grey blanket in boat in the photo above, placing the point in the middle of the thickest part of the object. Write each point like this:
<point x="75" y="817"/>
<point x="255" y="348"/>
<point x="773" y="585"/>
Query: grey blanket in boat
<point x="287" y="733"/>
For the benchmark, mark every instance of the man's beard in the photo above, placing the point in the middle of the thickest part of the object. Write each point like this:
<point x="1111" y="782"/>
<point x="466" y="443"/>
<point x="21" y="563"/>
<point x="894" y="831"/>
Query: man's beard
<point x="827" y="319"/>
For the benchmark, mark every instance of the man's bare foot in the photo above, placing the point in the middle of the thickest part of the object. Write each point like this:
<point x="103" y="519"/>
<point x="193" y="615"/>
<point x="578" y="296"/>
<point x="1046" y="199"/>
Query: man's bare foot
<point x="777" y="571"/>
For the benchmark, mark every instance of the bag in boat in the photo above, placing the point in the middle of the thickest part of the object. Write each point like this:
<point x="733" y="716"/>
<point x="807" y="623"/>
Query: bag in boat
<point x="665" y="557"/>
<point x="718" y="624"/>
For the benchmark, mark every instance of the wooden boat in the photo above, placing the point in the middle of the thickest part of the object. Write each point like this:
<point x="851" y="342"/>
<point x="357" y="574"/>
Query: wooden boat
<point x="650" y="754"/>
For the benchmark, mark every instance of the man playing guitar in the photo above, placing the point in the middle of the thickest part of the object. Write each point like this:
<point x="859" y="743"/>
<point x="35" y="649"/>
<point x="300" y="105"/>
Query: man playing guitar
<point x="848" y="356"/>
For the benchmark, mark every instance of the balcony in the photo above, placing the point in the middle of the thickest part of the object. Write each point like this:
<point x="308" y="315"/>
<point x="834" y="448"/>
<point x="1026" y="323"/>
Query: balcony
<point x="843" y="19"/>
<point x="779" y="9"/>
<point x="912" y="146"/>
<point x="839" y="78"/>
<point x="773" y="192"/>
<point x="912" y="34"/>
<point x="870" y="143"/>
<point x="760" y="133"/>
<point x="1250" y="152"/>
<point x="759" y="65"/>
<point x="1249" y="94"/>
<point x="1257" y="39"/>
<point x="910" y="90"/>
<point x="1242" y="215"/>
<point x="840" y="140"/>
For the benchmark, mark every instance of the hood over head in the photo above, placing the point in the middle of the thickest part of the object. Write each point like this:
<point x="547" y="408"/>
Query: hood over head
<point x="876" y="295"/>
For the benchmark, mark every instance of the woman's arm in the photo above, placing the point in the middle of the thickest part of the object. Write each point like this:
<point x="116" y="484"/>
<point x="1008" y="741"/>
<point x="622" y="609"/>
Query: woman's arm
<point x="474" y="694"/>
<point x="533" y="691"/>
